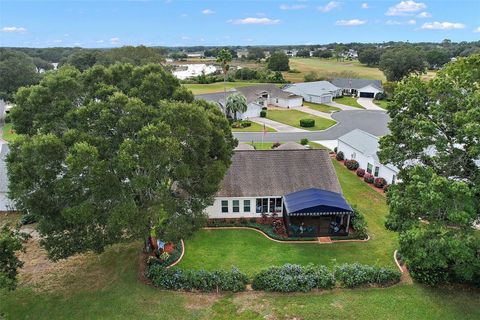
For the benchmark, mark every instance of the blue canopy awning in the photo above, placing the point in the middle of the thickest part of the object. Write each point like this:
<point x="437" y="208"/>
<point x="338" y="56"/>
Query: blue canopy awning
<point x="316" y="202"/>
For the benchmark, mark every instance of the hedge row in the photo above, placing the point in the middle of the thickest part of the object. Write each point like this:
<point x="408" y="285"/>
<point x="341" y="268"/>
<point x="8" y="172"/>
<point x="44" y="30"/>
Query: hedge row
<point x="355" y="275"/>
<point x="205" y="281"/>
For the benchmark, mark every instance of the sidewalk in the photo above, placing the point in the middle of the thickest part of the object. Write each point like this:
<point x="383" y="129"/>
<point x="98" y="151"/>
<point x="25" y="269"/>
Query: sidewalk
<point x="280" y="127"/>
<point x="315" y="112"/>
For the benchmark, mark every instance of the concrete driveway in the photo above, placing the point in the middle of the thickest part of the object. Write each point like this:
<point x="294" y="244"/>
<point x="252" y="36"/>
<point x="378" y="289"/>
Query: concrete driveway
<point x="368" y="104"/>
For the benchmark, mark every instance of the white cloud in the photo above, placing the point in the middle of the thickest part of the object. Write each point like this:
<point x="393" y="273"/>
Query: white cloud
<point x="114" y="40"/>
<point x="424" y="14"/>
<point x="77" y="44"/>
<point x="14" y="29"/>
<point x="442" y="25"/>
<point x="405" y="8"/>
<point x="208" y="11"/>
<point x="292" y="7"/>
<point x="57" y="41"/>
<point x="399" y="23"/>
<point x="477" y="30"/>
<point x="364" y="5"/>
<point x="329" y="6"/>
<point x="353" y="22"/>
<point x="250" y="20"/>
<point x="185" y="38"/>
<point x="100" y="41"/>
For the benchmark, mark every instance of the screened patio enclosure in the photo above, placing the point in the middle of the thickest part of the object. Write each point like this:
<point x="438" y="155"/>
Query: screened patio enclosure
<point x="316" y="212"/>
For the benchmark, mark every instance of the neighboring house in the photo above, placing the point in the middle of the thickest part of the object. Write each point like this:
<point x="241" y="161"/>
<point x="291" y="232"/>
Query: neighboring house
<point x="291" y="53"/>
<point x="300" y="186"/>
<point x="5" y="203"/>
<point x="363" y="88"/>
<point x="195" y="54"/>
<point x="242" y="53"/>
<point x="257" y="96"/>
<point x="363" y="147"/>
<point x="316" y="91"/>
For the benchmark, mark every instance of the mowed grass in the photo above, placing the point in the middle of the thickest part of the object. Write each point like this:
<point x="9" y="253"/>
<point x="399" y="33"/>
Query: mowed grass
<point x="255" y="127"/>
<point x="326" y="67"/>
<point x="381" y="103"/>
<point x="292" y="118"/>
<point x="8" y="133"/>
<point x="320" y="107"/>
<point x="216" y="87"/>
<point x="251" y="251"/>
<point x="348" y="101"/>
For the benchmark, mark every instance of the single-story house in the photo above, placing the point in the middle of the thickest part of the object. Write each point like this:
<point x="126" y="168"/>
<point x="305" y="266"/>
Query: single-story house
<point x="364" y="88"/>
<point x="363" y="147"/>
<point x="257" y="96"/>
<point x="300" y="186"/>
<point x="5" y="203"/>
<point x="316" y="91"/>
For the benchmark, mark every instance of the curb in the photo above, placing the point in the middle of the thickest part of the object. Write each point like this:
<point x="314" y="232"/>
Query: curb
<point x="287" y="241"/>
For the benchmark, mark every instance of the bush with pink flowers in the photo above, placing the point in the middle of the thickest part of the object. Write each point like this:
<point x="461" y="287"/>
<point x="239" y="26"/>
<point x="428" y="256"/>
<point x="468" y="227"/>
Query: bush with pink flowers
<point x="368" y="178"/>
<point x="351" y="164"/>
<point x="360" y="172"/>
<point x="380" y="183"/>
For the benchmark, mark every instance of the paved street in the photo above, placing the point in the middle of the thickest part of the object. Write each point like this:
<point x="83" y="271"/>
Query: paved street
<point x="374" y="122"/>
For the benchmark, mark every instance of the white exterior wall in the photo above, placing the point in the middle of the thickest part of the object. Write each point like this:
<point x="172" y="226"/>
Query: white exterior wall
<point x="363" y="161"/>
<point x="326" y="98"/>
<point x="368" y="88"/>
<point x="253" y="111"/>
<point x="286" y="103"/>
<point x="215" y="211"/>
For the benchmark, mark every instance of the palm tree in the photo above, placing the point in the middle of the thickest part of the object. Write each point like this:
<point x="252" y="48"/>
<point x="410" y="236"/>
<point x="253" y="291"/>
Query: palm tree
<point x="236" y="102"/>
<point x="224" y="57"/>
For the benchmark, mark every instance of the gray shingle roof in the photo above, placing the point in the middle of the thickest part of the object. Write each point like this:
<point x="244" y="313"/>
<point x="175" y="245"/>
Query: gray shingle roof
<point x="291" y="146"/>
<point x="346" y="83"/>
<point x="316" y="88"/>
<point x="278" y="172"/>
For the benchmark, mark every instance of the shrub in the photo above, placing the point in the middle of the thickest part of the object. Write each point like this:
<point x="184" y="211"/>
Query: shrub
<point x="304" y="141"/>
<point x="335" y="149"/>
<point x="360" y="172"/>
<point x="355" y="275"/>
<point x="237" y="124"/>
<point x="276" y="145"/>
<point x="246" y="123"/>
<point x="252" y="220"/>
<point x="264" y="108"/>
<point x="368" y="178"/>
<point x="359" y="225"/>
<point x="380" y="96"/>
<point x="171" y="258"/>
<point x="307" y="123"/>
<point x="293" y="278"/>
<point x="206" y="281"/>
<point x="243" y="221"/>
<point x="28" y="219"/>
<point x="385" y="188"/>
<point x="352" y="164"/>
<point x="263" y="113"/>
<point x="340" y="156"/>
<point x="380" y="183"/>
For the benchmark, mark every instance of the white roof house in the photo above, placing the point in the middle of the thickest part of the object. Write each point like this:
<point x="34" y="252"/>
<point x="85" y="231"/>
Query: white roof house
<point x="364" y="88"/>
<point x="316" y="91"/>
<point x="363" y="147"/>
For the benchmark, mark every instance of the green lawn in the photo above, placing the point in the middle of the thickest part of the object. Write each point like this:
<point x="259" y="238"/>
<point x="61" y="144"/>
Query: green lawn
<point x="381" y="103"/>
<point x="216" y="87"/>
<point x="292" y="118"/>
<point x="327" y="67"/>
<point x="321" y="107"/>
<point x="348" y="101"/>
<point x="8" y="133"/>
<point x="250" y="251"/>
<point x="255" y="127"/>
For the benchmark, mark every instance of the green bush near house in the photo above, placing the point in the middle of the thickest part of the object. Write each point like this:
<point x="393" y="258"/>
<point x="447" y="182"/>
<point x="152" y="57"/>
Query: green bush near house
<point x="263" y="113"/>
<point x="307" y="123"/>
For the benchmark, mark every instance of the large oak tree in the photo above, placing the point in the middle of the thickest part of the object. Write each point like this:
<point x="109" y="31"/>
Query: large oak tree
<point x="435" y="141"/>
<point x="108" y="154"/>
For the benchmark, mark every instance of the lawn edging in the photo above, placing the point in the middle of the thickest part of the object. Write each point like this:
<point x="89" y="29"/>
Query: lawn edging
<point x="181" y="255"/>
<point x="288" y="241"/>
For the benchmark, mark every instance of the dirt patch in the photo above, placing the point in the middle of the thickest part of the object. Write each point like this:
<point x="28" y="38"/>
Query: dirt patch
<point x="254" y="301"/>
<point x="198" y="301"/>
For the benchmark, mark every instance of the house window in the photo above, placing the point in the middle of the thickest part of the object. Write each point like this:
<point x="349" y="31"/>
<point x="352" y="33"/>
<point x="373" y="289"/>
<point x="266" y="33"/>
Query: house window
<point x="278" y="205"/>
<point x="224" y="206"/>
<point x="377" y="169"/>
<point x="262" y="205"/>
<point x="246" y="205"/>
<point x="354" y="155"/>
<point x="236" y="205"/>
<point x="369" y="167"/>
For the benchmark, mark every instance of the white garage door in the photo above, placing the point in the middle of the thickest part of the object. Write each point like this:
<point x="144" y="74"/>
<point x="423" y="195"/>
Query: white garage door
<point x="326" y="99"/>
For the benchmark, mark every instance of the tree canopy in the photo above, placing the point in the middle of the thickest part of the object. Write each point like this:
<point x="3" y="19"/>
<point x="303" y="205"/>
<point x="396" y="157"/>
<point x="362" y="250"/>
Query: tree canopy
<point x="11" y="242"/>
<point x="399" y="62"/>
<point x="236" y="102"/>
<point x="16" y="70"/>
<point x="370" y="55"/>
<point x="108" y="154"/>
<point x="278" y="61"/>
<point x="434" y="140"/>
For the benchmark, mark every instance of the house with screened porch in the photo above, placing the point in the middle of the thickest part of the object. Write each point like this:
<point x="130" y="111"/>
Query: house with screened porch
<point x="300" y="186"/>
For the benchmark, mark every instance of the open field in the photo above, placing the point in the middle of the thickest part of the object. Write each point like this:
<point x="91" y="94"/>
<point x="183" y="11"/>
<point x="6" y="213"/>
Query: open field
<point x="255" y="127"/>
<point x="216" y="87"/>
<point x="107" y="286"/>
<point x="292" y="118"/>
<point x="348" y="101"/>
<point x="320" y="107"/>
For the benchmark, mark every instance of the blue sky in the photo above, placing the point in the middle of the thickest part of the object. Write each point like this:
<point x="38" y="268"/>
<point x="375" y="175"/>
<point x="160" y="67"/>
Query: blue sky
<point x="248" y="22"/>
